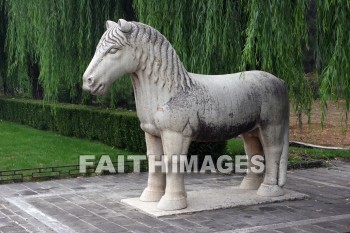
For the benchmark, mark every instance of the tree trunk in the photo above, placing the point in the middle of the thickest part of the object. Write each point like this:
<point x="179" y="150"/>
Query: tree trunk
<point x="79" y="90"/>
<point x="300" y="122"/>
<point x="5" y="87"/>
<point x="34" y="72"/>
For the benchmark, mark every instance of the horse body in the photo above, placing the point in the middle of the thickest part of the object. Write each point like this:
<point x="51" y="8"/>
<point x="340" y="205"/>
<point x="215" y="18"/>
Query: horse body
<point x="220" y="107"/>
<point x="224" y="106"/>
<point x="176" y="107"/>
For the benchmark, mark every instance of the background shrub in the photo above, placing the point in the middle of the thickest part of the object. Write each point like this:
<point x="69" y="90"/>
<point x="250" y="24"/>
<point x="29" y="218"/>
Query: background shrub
<point x="119" y="128"/>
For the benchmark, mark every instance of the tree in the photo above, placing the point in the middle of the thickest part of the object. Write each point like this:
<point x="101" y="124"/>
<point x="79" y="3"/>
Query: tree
<point x="214" y="36"/>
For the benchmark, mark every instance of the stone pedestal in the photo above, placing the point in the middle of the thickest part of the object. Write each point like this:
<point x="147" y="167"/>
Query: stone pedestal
<point x="211" y="199"/>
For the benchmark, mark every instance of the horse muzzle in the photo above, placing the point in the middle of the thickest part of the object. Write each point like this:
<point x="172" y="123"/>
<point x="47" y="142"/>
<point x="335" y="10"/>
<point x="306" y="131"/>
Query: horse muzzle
<point x="94" y="88"/>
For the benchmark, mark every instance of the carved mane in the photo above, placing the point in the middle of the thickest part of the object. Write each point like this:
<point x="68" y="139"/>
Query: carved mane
<point x="157" y="58"/>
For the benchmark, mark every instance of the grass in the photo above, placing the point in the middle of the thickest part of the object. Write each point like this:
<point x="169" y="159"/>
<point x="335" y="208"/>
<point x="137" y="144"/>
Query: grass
<point x="235" y="147"/>
<point x="24" y="147"/>
<point x="318" y="153"/>
<point x="296" y="154"/>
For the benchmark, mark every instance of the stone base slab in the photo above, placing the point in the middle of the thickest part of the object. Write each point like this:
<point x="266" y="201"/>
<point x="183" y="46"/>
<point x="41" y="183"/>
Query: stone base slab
<point x="212" y="199"/>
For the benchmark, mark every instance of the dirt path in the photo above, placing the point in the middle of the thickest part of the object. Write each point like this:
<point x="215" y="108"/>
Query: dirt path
<point x="333" y="132"/>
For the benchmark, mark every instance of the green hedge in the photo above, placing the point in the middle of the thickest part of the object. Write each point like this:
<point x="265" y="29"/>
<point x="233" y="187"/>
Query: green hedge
<point x="119" y="128"/>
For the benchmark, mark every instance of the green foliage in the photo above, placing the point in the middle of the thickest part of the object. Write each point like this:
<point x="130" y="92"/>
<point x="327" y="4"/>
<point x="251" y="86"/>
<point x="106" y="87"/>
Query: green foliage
<point x="207" y="35"/>
<point x="24" y="147"/>
<point x="27" y="112"/>
<point x="214" y="36"/>
<point x="298" y="157"/>
<point x="122" y="93"/>
<point x="235" y="147"/>
<point x="58" y="35"/>
<point x="334" y="50"/>
<point x="319" y="153"/>
<point x="275" y="33"/>
<point x="3" y="57"/>
<point x="116" y="128"/>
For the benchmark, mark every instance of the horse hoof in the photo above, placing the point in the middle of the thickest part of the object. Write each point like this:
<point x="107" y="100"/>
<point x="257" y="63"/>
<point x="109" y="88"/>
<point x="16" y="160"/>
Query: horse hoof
<point x="268" y="190"/>
<point x="251" y="183"/>
<point x="172" y="204"/>
<point x="151" y="195"/>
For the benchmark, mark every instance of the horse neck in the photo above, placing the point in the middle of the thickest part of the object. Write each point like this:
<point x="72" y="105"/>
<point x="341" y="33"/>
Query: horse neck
<point x="155" y="83"/>
<point x="149" y="95"/>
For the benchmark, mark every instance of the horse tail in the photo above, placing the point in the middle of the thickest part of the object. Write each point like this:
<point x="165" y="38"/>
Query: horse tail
<point x="284" y="158"/>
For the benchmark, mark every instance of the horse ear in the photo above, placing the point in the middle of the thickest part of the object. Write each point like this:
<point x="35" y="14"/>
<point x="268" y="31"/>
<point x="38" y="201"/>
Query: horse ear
<point x="124" y="25"/>
<point x="110" y="23"/>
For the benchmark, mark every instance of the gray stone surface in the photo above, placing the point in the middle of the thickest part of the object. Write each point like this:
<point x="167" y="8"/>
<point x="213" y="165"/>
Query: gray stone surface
<point x="225" y="197"/>
<point x="93" y="205"/>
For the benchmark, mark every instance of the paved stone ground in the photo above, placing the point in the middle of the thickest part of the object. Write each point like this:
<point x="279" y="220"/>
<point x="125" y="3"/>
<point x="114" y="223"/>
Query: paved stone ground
<point x="92" y="205"/>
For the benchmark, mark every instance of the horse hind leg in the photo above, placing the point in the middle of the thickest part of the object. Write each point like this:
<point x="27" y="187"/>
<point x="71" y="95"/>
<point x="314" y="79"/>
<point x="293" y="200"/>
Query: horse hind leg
<point x="272" y="140"/>
<point x="252" y="146"/>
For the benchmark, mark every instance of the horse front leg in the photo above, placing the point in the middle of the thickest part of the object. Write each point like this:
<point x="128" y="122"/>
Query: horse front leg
<point x="174" y="144"/>
<point x="156" y="178"/>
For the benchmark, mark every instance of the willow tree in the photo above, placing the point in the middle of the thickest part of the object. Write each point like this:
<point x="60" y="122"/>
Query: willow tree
<point x="207" y="35"/>
<point x="3" y="57"/>
<point x="60" y="36"/>
<point x="334" y="50"/>
<point x="275" y="34"/>
<point x="214" y="36"/>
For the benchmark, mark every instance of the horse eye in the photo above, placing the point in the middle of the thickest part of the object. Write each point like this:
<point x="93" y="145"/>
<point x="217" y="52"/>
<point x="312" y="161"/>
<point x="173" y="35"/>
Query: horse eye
<point x="113" y="50"/>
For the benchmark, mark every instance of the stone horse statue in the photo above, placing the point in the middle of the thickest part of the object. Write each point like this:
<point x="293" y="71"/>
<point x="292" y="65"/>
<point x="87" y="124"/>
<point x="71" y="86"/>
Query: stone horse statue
<point x="176" y="107"/>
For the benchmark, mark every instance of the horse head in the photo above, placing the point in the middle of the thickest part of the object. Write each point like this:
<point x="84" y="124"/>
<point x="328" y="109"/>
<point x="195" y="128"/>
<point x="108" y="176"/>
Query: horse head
<point x="113" y="58"/>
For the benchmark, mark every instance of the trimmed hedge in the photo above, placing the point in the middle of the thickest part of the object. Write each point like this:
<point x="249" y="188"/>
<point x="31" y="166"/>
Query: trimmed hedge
<point x="119" y="128"/>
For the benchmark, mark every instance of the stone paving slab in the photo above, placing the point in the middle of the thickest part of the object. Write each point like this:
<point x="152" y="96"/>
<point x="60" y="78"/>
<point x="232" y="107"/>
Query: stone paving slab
<point x="222" y="198"/>
<point x="93" y="205"/>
